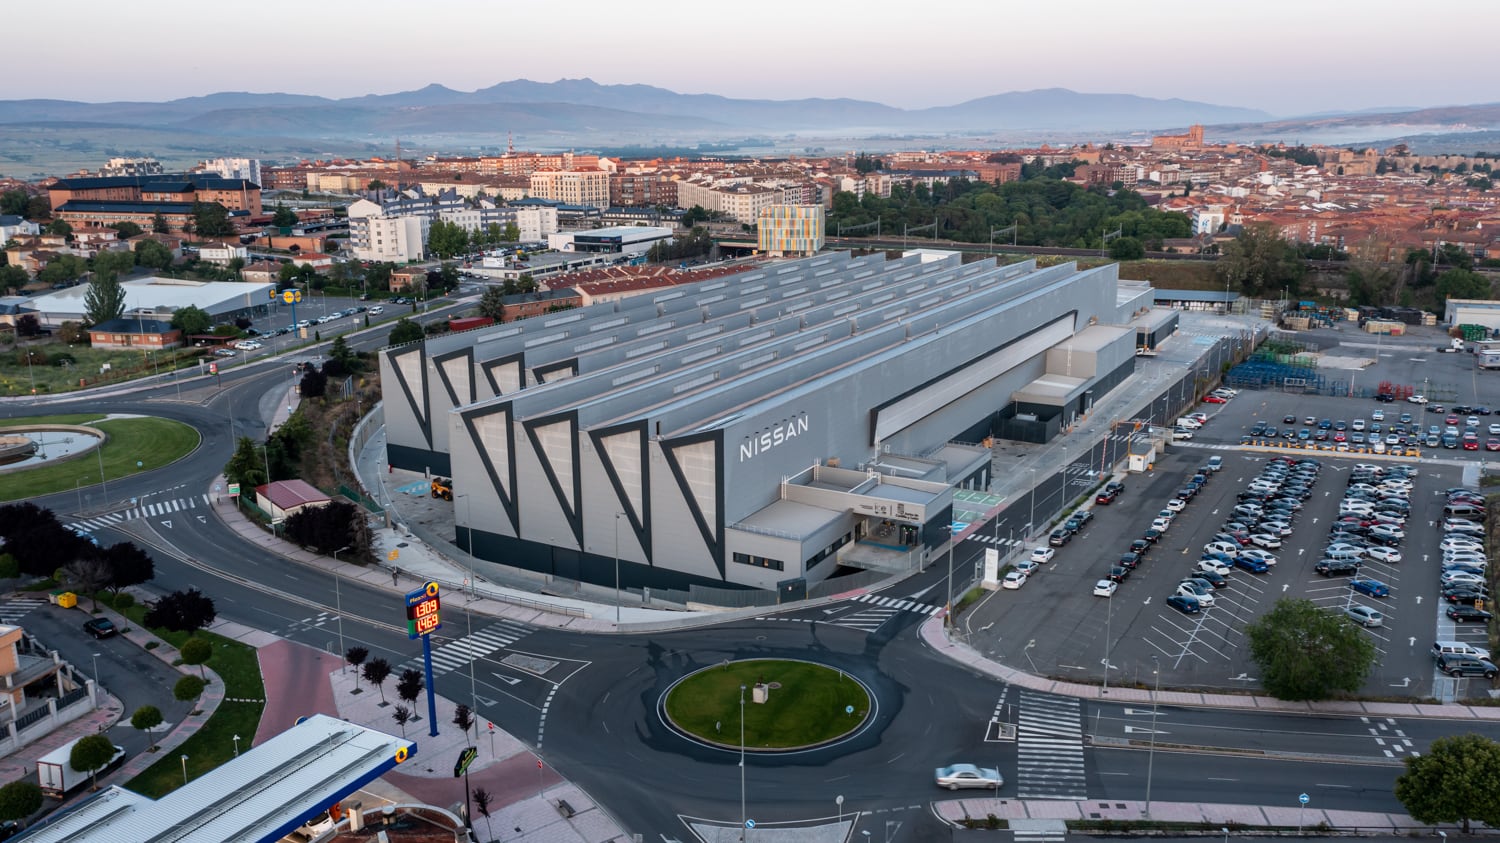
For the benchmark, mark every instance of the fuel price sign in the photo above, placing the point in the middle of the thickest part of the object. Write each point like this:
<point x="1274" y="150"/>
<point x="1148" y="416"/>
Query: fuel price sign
<point x="423" y="611"/>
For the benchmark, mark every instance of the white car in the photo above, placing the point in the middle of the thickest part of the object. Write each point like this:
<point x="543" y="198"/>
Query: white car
<point x="1464" y="577"/>
<point x="955" y="776"/>
<point x="377" y="310"/>
<point x="1388" y="531"/>
<point x="1278" y="528"/>
<point x="1265" y="540"/>
<point x="1213" y="566"/>
<point x="1105" y="588"/>
<point x="1176" y="504"/>
<point x="1161" y="524"/>
<point x="1187" y="588"/>
<point x="1268" y="558"/>
<point x="1042" y="554"/>
<point x="1462" y="525"/>
<point x="1473" y="560"/>
<point x="1378" y="415"/>
<point x="1181" y="434"/>
<point x="1417" y="399"/>
<point x="1222" y="547"/>
<point x="1027" y="567"/>
<point x="1013" y="580"/>
<point x="1389" y="555"/>
<point x="1460" y="543"/>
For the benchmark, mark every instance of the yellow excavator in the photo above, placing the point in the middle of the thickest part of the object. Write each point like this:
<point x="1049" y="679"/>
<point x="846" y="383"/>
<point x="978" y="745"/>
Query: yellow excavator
<point x="442" y="487"/>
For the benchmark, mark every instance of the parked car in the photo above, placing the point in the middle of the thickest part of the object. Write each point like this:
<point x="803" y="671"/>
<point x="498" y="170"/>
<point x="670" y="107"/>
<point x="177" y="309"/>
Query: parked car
<point x="1013" y="579"/>
<point x="99" y="627"/>
<point x="1455" y="664"/>
<point x="1105" y="588"/>
<point x="1060" y="537"/>
<point x="1184" y="604"/>
<point x="1460" y="613"/>
<point x="1364" y="615"/>
<point x="1337" y="567"/>
<point x="1372" y="588"/>
<point x="1042" y="554"/>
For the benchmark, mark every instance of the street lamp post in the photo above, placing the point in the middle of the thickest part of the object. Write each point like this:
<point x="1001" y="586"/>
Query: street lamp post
<point x="96" y="668"/>
<point x="1031" y="524"/>
<point x="948" y="607"/>
<point x="236" y="746"/>
<point x="617" y="569"/>
<point x="78" y="487"/>
<point x="1151" y="754"/>
<point x="184" y="769"/>
<point x="743" y="817"/>
<point x="338" y="603"/>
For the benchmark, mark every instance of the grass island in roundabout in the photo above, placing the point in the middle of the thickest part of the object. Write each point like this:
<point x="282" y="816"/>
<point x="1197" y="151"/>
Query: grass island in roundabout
<point x="805" y="704"/>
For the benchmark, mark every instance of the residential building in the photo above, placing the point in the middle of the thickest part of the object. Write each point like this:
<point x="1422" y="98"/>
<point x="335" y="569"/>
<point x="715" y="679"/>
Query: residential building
<point x="131" y="167"/>
<point x="12" y="226"/>
<point x="790" y="230"/>
<point x="131" y="332"/>
<point x="572" y="187"/>
<point x="641" y="189"/>
<point x="222" y="253"/>
<point x="246" y="169"/>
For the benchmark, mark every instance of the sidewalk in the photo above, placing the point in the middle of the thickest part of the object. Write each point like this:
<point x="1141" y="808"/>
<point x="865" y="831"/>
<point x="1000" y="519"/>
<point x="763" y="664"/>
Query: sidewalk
<point x="1051" y="815"/>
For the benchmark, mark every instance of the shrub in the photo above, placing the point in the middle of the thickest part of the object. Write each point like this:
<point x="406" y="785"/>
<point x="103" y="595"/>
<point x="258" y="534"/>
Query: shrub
<point x="188" y="688"/>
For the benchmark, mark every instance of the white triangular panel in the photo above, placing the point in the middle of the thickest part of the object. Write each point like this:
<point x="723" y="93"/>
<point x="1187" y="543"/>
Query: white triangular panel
<point x="456" y="370"/>
<point x="557" y="449"/>
<point x="494" y="439"/>
<point x="507" y="376"/>
<point x="624" y="453"/>
<point x="409" y="364"/>
<point x="699" y="469"/>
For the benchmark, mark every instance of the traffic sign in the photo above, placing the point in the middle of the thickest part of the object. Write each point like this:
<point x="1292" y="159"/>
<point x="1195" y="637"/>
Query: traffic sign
<point x="393" y="555"/>
<point x="1302" y="799"/>
<point x="234" y="489"/>
<point x="749" y="823"/>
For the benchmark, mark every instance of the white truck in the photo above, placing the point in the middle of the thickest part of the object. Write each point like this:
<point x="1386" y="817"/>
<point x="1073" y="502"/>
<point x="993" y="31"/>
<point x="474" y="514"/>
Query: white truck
<point x="58" y="778"/>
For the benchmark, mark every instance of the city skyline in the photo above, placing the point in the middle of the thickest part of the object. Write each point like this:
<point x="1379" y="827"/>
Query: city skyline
<point x="1287" y="60"/>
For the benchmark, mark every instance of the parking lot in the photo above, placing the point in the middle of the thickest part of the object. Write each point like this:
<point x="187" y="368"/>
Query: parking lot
<point x="1055" y="626"/>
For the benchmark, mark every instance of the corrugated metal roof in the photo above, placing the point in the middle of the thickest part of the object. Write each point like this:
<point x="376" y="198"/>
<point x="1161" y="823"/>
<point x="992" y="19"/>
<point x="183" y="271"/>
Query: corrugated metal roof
<point x="260" y="796"/>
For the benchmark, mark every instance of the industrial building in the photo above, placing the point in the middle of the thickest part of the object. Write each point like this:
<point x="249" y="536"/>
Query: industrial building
<point x="760" y="430"/>
<point x="1472" y="312"/>
<point x="159" y="298"/>
<point x="621" y="240"/>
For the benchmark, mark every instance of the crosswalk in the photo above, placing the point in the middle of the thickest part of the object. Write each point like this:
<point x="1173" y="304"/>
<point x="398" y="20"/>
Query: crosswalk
<point x="985" y="538"/>
<point x="11" y="611"/>
<point x="1049" y="748"/>
<point x="881" y="610"/>
<point x="146" y="510"/>
<point x="457" y="654"/>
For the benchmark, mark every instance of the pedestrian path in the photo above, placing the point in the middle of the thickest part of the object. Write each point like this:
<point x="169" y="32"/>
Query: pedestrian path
<point x="899" y="604"/>
<point x="985" y="538"/>
<point x="147" y="510"/>
<point x="458" y="654"/>
<point x="1049" y="748"/>
<point x="11" y="611"/>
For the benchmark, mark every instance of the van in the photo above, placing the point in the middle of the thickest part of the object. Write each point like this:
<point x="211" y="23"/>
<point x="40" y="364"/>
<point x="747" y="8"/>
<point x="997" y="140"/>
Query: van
<point x="1463" y="510"/>
<point x="1458" y="648"/>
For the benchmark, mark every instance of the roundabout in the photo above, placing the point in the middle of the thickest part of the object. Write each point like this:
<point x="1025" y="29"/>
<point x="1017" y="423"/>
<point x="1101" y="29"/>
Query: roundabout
<point x="783" y="705"/>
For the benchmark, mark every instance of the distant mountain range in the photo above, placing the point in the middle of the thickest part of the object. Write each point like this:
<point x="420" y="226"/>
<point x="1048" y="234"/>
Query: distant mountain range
<point x="573" y="106"/>
<point x="45" y="135"/>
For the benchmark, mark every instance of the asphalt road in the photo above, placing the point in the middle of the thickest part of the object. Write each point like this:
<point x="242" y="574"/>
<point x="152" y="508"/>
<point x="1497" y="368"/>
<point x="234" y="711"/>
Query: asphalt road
<point x="593" y="712"/>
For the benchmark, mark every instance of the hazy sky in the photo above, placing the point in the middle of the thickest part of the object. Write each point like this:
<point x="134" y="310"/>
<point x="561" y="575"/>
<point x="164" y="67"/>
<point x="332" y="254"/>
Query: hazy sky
<point x="1284" y="56"/>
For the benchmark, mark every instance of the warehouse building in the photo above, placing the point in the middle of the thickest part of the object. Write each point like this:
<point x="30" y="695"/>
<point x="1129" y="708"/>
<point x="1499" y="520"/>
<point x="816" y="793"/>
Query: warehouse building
<point x="159" y="298"/>
<point x="757" y="431"/>
<point x="1472" y="312"/>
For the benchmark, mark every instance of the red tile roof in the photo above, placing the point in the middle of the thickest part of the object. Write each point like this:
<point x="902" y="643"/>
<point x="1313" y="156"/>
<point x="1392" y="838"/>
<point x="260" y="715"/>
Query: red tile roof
<point x="290" y="494"/>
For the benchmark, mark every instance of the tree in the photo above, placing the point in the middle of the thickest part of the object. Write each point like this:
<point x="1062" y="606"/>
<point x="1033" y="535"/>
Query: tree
<point x="1457" y="780"/>
<point x="512" y="233"/>
<point x="1260" y="261"/>
<point x="482" y="802"/>
<point x="196" y="652"/>
<point x="13" y="278"/>
<point x="1126" y="249"/>
<point x="210" y="219"/>
<point x="345" y="355"/>
<point x="404" y="331"/>
<point x="182" y="611"/>
<point x="104" y="300"/>
<point x="402" y="716"/>
<point x="375" y="673"/>
<point x="62" y="269"/>
<point x="314" y="384"/>
<point x="37" y="540"/>
<point x="375" y="184"/>
<point x="146" y="718"/>
<point x="1462" y="284"/>
<point x="60" y="228"/>
<point x="247" y="466"/>
<point x="492" y="303"/>
<point x="72" y="333"/>
<point x="20" y="799"/>
<point x="127" y="565"/>
<point x="87" y="573"/>
<point x="1306" y="653"/>
<point x="159" y="223"/>
<point x="410" y="686"/>
<point x="127" y="229"/>
<point x="330" y="528"/>
<point x="192" y="320"/>
<point x="356" y="656"/>
<point x="463" y="718"/>
<point x="283" y="217"/>
<point x="91" y="754"/>
<point x="13" y="202"/>
<point x="153" y="254"/>
<point x="28" y="325"/>
<point x="114" y="263"/>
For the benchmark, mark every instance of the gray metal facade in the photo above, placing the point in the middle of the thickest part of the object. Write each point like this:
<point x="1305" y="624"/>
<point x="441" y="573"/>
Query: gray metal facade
<point x="660" y="432"/>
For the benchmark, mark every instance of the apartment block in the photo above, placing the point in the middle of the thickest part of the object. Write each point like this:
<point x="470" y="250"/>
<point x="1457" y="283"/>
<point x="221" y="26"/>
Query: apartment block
<point x="790" y="230"/>
<point x="572" y="187"/>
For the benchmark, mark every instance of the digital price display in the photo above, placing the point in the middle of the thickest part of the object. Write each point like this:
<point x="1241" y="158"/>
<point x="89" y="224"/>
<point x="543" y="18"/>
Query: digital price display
<point x="423" y="611"/>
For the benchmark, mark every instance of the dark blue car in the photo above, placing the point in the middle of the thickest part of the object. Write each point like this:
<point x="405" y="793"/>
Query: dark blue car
<point x="1251" y="564"/>
<point x="1373" y="588"/>
<point x="1184" y="604"/>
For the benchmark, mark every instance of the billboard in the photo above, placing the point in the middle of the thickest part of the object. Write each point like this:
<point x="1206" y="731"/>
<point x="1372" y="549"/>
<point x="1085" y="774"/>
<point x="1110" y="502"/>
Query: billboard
<point x="423" y="611"/>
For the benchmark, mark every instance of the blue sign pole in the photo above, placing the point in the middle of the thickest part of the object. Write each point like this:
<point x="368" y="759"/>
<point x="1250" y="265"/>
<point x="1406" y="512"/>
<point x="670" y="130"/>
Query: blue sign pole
<point x="431" y="694"/>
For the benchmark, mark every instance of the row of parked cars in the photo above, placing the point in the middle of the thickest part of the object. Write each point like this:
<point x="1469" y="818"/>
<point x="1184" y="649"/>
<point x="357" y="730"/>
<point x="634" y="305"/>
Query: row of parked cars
<point x="1026" y="568"/>
<point x="1197" y="587"/>
<point x="1464" y="581"/>
<point x="1371" y="524"/>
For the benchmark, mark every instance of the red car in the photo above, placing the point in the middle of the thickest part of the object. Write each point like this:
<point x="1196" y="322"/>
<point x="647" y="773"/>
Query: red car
<point x="1212" y="399"/>
<point x="1492" y="445"/>
<point x="1339" y="436"/>
<point x="1453" y="420"/>
<point x="1471" y="444"/>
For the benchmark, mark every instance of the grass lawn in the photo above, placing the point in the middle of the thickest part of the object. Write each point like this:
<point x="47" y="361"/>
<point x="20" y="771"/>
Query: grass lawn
<point x="57" y="367"/>
<point x="213" y="744"/>
<point x="151" y="441"/>
<point x="808" y="708"/>
<point x="73" y="418"/>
